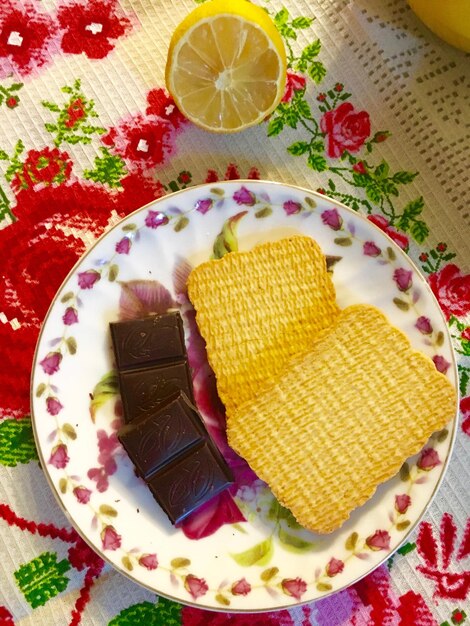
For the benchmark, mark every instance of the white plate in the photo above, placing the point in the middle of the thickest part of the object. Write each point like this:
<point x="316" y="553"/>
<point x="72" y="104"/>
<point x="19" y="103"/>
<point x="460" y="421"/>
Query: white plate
<point x="265" y="562"/>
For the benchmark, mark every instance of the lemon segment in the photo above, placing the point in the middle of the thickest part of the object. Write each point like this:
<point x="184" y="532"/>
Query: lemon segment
<point x="226" y="65"/>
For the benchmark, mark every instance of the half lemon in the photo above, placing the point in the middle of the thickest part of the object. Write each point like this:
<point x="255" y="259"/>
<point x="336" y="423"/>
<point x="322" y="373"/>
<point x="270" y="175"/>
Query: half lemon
<point x="226" y="66"/>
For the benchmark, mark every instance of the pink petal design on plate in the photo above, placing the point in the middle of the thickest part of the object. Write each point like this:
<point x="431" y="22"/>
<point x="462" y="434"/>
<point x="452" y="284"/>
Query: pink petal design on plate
<point x="197" y="587"/>
<point x="149" y="561"/>
<point x="82" y="494"/>
<point x="143" y="297"/>
<point x="423" y="324"/>
<point x="294" y="587"/>
<point x="53" y="405"/>
<point x="371" y="249"/>
<point x="87" y="279"/>
<point x="402" y="502"/>
<point x="428" y="459"/>
<point x="332" y="218"/>
<point x="403" y="278"/>
<point x="380" y="540"/>
<point x="244" y="196"/>
<point x="110" y="539"/>
<point x="442" y="365"/>
<point x="291" y="207"/>
<point x="59" y="457"/>
<point x="51" y="362"/>
<point x="70" y="316"/>
<point x="155" y="219"/>
<point x="211" y="516"/>
<point x="123" y="246"/>
<point x="204" y="205"/>
<point x="241" y="588"/>
<point x="334" y="567"/>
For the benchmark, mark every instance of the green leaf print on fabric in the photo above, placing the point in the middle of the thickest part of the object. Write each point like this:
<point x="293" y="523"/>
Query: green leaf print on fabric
<point x="109" y="169"/>
<point x="17" y="442"/>
<point x="42" y="578"/>
<point x="73" y="117"/>
<point x="165" y="613"/>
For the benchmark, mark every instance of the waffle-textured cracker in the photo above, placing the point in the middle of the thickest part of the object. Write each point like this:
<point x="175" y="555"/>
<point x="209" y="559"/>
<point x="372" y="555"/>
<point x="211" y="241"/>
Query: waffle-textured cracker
<point x="256" y="309"/>
<point x="342" y="418"/>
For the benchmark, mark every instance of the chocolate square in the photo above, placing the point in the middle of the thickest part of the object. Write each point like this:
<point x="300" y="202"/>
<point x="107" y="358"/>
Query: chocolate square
<point x="189" y="481"/>
<point x="143" y="391"/>
<point x="155" y="339"/>
<point x="154" y="440"/>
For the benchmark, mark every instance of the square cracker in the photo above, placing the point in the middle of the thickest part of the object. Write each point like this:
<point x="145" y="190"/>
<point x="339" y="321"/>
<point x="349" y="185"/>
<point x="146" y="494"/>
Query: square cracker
<point x="343" y="418"/>
<point x="256" y="309"/>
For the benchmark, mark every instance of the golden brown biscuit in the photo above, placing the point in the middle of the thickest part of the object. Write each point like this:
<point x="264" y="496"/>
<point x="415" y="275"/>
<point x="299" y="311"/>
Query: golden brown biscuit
<point x="341" y="419"/>
<point x="256" y="309"/>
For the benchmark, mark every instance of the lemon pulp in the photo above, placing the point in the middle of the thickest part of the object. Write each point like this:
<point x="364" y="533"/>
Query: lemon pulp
<point x="226" y="66"/>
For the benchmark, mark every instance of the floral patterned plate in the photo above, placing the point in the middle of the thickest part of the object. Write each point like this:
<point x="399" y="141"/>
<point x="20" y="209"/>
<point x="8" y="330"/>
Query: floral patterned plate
<point x="242" y="551"/>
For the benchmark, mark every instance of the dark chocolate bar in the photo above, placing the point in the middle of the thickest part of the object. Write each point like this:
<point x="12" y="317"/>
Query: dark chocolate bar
<point x="189" y="481"/>
<point x="165" y="436"/>
<point x="153" y="440"/>
<point x="151" y="340"/>
<point x="143" y="391"/>
<point x="152" y="362"/>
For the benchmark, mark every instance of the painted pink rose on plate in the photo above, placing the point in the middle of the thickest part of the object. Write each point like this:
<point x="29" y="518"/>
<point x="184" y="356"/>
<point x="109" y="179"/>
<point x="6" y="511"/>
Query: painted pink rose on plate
<point x="197" y="587"/>
<point x="110" y="539"/>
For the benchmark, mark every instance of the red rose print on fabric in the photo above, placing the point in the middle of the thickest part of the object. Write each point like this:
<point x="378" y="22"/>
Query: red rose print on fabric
<point x="44" y="167"/>
<point x="198" y="617"/>
<point x="143" y="141"/>
<point x="440" y="556"/>
<point x="6" y="618"/>
<point x="345" y="129"/>
<point x="81" y="556"/>
<point x="375" y="603"/>
<point x="26" y="37"/>
<point x="32" y="275"/>
<point x="83" y="206"/>
<point x="465" y="409"/>
<point x="452" y="289"/>
<point x="75" y="112"/>
<point x="232" y="173"/>
<point x="294" y="82"/>
<point x="91" y="27"/>
<point x="29" y="280"/>
<point x="162" y="105"/>
<point x="399" y="238"/>
<point x="15" y="368"/>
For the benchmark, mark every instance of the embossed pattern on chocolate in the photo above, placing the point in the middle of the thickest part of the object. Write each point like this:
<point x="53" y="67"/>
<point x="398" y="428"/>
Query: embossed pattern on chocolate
<point x="151" y="441"/>
<point x="190" y="481"/>
<point x="165" y="436"/>
<point x="152" y="362"/>
<point x="143" y="391"/>
<point x="138" y="343"/>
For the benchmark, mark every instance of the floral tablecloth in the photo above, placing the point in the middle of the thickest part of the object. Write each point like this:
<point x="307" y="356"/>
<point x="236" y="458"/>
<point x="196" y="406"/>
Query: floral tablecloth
<point x="374" y="115"/>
